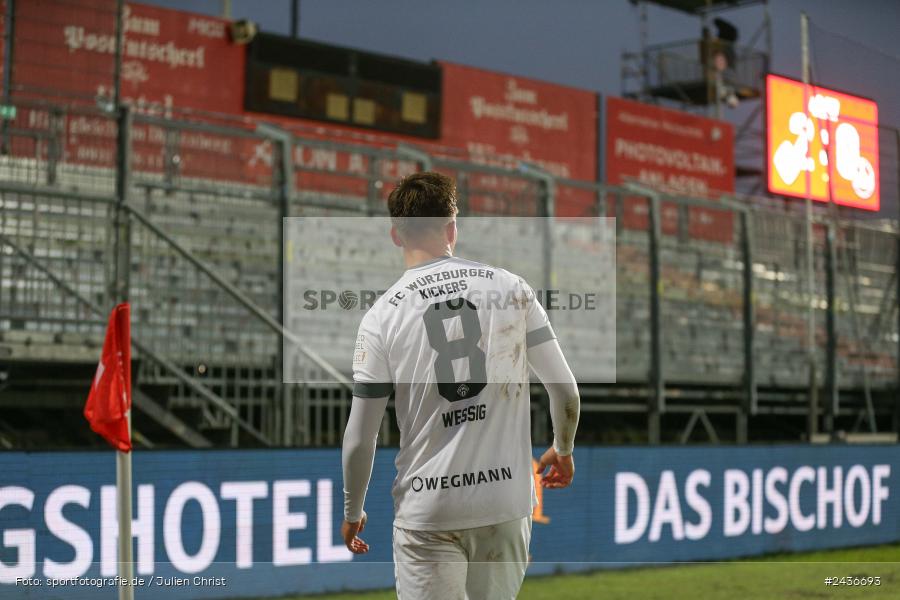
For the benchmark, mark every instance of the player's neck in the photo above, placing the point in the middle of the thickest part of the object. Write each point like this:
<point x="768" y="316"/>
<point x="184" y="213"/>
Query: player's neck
<point x="414" y="257"/>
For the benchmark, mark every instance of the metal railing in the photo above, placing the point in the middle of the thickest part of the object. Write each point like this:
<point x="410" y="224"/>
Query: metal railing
<point x="686" y="70"/>
<point x="184" y="219"/>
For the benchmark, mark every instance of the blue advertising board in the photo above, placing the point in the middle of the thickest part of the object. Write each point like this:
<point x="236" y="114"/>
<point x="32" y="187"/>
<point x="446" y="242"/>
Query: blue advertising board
<point x="255" y="523"/>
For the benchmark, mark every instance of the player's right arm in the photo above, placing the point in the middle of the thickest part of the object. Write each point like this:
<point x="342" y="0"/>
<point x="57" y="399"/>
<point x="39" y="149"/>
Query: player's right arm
<point x="546" y="359"/>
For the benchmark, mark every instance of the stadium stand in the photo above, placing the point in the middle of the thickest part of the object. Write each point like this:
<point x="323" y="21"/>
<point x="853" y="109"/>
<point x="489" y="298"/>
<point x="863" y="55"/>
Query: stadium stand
<point x="193" y="242"/>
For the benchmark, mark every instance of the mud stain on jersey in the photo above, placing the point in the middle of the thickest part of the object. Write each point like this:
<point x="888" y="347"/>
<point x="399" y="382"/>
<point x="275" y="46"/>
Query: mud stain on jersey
<point x="511" y="390"/>
<point x="507" y="329"/>
<point x="503" y="332"/>
<point x="517" y="352"/>
<point x="513" y="354"/>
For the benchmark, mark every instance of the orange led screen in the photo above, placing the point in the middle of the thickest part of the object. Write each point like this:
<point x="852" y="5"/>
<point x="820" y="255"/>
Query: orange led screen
<point x="821" y="143"/>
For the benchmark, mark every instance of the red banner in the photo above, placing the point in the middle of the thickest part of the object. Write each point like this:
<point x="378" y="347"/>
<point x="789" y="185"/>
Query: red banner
<point x="672" y="151"/>
<point x="175" y="60"/>
<point x="503" y="119"/>
<point x="65" y="53"/>
<point x="171" y="59"/>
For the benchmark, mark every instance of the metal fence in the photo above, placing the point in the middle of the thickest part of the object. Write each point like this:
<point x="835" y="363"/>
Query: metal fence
<point x="184" y="220"/>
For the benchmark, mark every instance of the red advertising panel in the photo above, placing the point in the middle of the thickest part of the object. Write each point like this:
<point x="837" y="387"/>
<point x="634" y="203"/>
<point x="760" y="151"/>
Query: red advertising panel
<point x="490" y="114"/>
<point x="170" y="58"/>
<point x="673" y="151"/>
<point x="64" y="51"/>
<point x="46" y="42"/>
<point x="822" y="144"/>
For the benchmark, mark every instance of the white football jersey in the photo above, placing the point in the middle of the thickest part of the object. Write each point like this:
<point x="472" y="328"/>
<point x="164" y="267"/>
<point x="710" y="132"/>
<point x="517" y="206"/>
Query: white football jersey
<point x="450" y="339"/>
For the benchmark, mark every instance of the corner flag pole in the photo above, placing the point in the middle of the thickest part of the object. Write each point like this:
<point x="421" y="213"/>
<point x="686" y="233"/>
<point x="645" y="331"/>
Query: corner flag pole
<point x="123" y="459"/>
<point x="123" y="498"/>
<point x="108" y="411"/>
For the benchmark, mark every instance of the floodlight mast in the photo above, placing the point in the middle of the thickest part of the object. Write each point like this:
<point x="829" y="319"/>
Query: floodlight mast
<point x="813" y="421"/>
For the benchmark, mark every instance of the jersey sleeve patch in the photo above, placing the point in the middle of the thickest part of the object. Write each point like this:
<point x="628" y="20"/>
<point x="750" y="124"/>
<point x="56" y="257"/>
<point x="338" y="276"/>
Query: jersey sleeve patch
<point x="539" y="336"/>
<point x="371" y="372"/>
<point x="372" y="390"/>
<point x="359" y="353"/>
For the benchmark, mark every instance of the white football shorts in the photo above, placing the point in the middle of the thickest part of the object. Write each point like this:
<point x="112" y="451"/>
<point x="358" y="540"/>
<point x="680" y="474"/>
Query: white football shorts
<point x="467" y="564"/>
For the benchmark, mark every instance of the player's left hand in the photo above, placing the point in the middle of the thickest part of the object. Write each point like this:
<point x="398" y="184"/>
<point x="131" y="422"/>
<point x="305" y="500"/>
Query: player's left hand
<point x="350" y="532"/>
<point x="562" y="469"/>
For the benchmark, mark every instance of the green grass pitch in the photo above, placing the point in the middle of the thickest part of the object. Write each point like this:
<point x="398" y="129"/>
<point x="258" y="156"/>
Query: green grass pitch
<point x="800" y="576"/>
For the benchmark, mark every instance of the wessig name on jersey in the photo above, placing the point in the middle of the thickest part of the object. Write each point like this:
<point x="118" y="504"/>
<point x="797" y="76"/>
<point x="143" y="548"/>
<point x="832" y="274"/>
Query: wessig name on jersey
<point x="476" y="412"/>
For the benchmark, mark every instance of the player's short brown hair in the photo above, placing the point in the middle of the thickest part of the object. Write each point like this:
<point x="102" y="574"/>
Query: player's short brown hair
<point x="422" y="204"/>
<point x="427" y="194"/>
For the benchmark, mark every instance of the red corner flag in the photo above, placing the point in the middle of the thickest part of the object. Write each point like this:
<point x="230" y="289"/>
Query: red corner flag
<point x="110" y="396"/>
